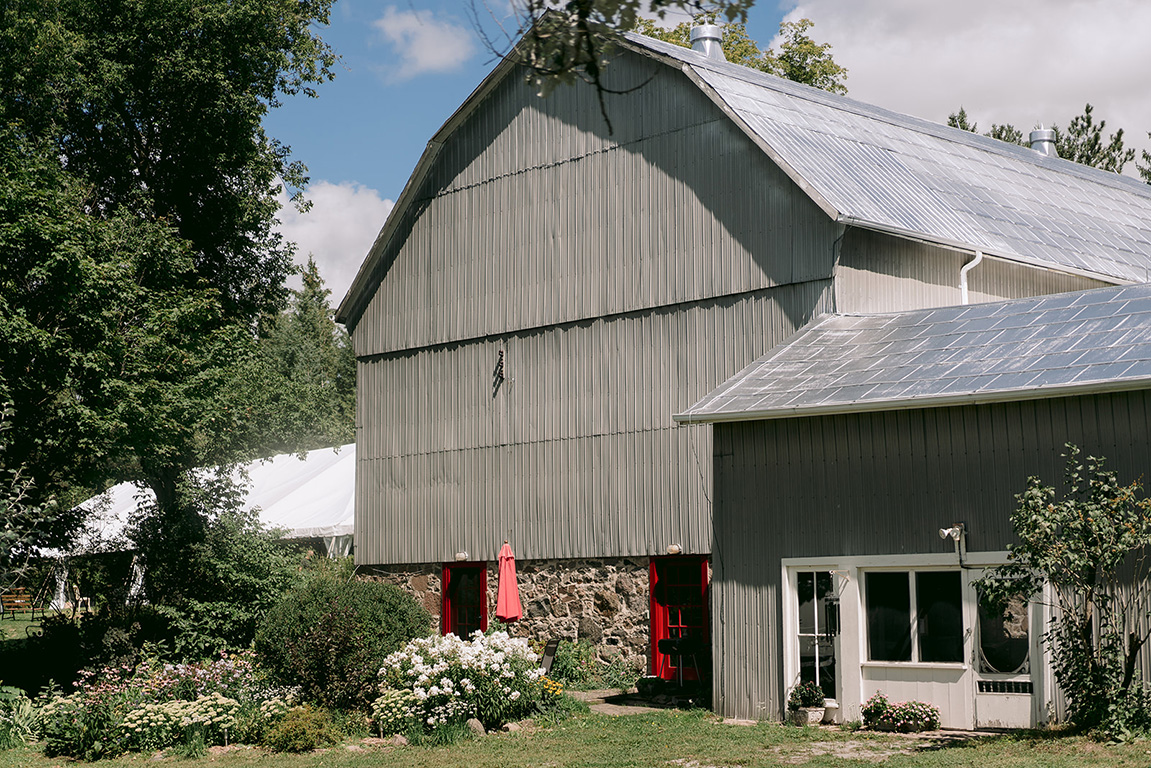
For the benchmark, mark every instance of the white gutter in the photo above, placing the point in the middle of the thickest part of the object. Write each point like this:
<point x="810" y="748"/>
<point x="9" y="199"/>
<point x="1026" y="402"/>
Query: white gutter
<point x="963" y="275"/>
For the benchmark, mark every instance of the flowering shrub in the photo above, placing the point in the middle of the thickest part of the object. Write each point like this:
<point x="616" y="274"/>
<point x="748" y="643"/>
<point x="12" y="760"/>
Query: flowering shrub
<point x="154" y="705"/>
<point x="15" y="718"/>
<point x="874" y="708"/>
<point x="494" y="678"/>
<point x="393" y="711"/>
<point x="807" y="694"/>
<point x="909" y="717"/>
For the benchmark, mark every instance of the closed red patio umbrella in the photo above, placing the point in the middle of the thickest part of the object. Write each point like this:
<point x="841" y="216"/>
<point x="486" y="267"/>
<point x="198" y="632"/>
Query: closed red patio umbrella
<point x="508" y="600"/>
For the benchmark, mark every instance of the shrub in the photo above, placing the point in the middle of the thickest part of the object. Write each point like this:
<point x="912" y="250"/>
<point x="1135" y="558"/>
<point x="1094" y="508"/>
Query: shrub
<point x="330" y="637"/>
<point x="16" y="718"/>
<point x="909" y="717"/>
<point x="575" y="663"/>
<point x="874" y="708"/>
<point x="807" y="694"/>
<point x="302" y="729"/>
<point x="393" y="712"/>
<point x="622" y="672"/>
<point x="494" y="678"/>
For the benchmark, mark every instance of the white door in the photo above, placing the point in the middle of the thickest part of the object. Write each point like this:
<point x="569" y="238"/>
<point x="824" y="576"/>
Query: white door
<point x="1005" y="660"/>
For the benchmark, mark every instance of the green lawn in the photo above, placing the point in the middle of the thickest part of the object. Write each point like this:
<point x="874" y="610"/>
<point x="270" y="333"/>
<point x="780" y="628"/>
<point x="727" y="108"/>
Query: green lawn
<point x="673" y="739"/>
<point x="15" y="627"/>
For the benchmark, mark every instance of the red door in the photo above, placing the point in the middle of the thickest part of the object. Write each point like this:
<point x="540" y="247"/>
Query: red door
<point x="465" y="599"/>
<point x="679" y="617"/>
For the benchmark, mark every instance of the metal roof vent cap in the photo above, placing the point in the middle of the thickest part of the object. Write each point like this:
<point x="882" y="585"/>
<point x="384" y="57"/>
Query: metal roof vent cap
<point x="706" y="39"/>
<point x="1043" y="142"/>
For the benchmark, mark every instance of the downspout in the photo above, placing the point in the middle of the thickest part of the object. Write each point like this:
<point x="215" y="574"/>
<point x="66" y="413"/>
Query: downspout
<point x="963" y="275"/>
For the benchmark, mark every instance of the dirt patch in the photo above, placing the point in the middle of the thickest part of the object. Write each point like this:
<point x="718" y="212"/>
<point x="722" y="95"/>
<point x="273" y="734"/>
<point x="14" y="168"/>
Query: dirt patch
<point x="848" y="750"/>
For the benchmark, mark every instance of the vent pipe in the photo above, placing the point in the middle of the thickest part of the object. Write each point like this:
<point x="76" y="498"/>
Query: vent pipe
<point x="706" y="39"/>
<point x="1043" y="142"/>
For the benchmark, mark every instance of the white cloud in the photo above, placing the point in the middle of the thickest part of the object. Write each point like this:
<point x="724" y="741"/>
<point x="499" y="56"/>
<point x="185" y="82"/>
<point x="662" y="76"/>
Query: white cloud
<point x="424" y="43"/>
<point x="337" y="231"/>
<point x="1017" y="63"/>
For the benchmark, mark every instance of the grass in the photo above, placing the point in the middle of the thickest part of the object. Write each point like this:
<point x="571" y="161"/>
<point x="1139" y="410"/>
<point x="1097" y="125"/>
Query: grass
<point x="15" y="627"/>
<point x="673" y="739"/>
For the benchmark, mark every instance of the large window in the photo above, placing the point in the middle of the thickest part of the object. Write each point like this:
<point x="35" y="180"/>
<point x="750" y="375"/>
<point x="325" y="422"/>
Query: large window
<point x="465" y="605"/>
<point x="932" y="598"/>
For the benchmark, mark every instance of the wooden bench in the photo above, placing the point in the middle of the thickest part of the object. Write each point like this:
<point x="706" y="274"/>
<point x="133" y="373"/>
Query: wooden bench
<point x="18" y="600"/>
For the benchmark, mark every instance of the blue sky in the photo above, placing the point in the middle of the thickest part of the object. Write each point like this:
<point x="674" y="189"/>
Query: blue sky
<point x="407" y="65"/>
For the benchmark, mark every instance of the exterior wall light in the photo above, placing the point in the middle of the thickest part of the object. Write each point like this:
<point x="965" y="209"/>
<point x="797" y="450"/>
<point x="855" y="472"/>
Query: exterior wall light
<point x="674" y="549"/>
<point x="461" y="557"/>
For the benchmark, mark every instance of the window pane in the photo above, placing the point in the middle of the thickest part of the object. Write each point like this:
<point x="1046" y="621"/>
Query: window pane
<point x="806" y="587"/>
<point x="1004" y="642"/>
<point x="937" y="595"/>
<point x="888" y="616"/>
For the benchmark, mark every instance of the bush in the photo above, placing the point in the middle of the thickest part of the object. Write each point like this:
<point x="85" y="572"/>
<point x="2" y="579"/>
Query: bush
<point x="494" y="678"/>
<point x="154" y="705"/>
<point x="302" y="729"/>
<point x="909" y="717"/>
<point x="575" y="664"/>
<point x="807" y="694"/>
<point x="16" y="718"/>
<point x="330" y="637"/>
<point x="874" y="708"/>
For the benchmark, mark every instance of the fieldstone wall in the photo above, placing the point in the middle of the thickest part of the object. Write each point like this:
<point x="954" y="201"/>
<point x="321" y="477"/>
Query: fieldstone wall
<point x="603" y="601"/>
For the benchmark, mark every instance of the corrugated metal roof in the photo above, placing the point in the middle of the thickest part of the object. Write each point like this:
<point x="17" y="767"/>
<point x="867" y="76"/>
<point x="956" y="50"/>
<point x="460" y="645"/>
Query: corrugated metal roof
<point x="891" y="172"/>
<point x="1068" y="343"/>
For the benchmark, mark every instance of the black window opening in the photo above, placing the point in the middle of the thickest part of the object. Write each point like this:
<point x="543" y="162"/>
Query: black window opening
<point x="818" y="626"/>
<point x="933" y="598"/>
<point x="464" y="610"/>
<point x="1004" y="637"/>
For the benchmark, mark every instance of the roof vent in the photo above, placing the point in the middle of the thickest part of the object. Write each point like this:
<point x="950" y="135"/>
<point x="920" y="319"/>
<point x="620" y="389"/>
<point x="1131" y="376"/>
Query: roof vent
<point x="706" y="39"/>
<point x="1043" y="142"/>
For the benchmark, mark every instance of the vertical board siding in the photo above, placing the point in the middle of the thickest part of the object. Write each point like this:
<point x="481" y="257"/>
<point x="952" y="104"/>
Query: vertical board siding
<point x="576" y="453"/>
<point x="882" y="273"/>
<point x="534" y="215"/>
<point x="874" y="484"/>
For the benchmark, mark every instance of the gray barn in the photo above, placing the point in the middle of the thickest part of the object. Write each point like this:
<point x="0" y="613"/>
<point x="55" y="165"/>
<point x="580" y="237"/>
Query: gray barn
<point x="547" y="293"/>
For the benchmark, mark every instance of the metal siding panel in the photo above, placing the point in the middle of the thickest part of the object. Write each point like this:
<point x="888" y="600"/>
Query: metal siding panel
<point x="967" y="463"/>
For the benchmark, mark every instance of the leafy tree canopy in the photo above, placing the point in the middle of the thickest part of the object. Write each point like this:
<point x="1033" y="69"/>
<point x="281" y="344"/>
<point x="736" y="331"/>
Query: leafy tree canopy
<point x="799" y="58"/>
<point x="156" y="105"/>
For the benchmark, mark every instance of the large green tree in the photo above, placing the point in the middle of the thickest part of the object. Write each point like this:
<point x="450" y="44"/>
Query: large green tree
<point x="138" y="255"/>
<point x="799" y="58"/>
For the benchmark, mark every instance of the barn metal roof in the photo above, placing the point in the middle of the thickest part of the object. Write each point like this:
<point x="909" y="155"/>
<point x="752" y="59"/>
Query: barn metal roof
<point x="882" y="170"/>
<point x="1065" y="344"/>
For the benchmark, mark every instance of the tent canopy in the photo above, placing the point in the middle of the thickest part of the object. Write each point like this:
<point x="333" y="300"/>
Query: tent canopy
<point x="309" y="498"/>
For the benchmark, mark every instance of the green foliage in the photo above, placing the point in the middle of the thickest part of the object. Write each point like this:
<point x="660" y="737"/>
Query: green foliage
<point x="214" y="572"/>
<point x="799" y="58"/>
<point x="575" y="663"/>
<point x="393" y="711"/>
<point x="302" y="729"/>
<point x="806" y="694"/>
<point x="1007" y="132"/>
<point x="330" y="635"/>
<point x="1090" y="546"/>
<point x="494" y="678"/>
<point x="909" y="717"/>
<point x="1082" y="142"/>
<point x="16" y="718"/>
<point x="622" y="672"/>
<point x="874" y="708"/>
<point x="309" y="386"/>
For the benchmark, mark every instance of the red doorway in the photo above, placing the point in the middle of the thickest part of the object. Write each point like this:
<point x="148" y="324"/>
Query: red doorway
<point x="465" y="599"/>
<point x="680" y="632"/>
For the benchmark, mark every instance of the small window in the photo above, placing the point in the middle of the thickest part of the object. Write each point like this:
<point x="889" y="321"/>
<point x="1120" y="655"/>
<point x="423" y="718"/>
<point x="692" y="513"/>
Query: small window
<point x="934" y="598"/>
<point x="465" y="605"/>
<point x="818" y="626"/>
<point x="1004" y="639"/>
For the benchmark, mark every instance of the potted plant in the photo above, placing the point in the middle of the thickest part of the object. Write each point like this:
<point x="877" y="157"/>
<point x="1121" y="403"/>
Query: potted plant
<point x="805" y="704"/>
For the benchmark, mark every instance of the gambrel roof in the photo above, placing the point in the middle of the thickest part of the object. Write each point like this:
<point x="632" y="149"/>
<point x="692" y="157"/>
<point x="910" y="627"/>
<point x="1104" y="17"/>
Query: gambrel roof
<point x="880" y="170"/>
<point x="1050" y="346"/>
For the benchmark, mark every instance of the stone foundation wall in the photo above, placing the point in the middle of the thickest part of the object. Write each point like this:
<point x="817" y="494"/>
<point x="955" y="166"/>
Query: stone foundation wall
<point x="603" y="601"/>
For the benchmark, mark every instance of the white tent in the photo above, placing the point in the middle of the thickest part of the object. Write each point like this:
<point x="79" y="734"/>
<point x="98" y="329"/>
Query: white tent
<point x="313" y="498"/>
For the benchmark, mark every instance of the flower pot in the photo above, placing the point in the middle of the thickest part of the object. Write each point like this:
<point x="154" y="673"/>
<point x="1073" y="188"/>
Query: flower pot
<point x="805" y="716"/>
